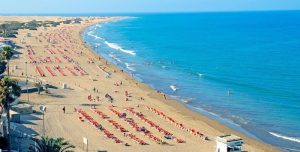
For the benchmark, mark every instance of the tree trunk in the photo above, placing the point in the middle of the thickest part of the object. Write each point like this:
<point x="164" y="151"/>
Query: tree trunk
<point x="7" y="67"/>
<point x="8" y="127"/>
<point x="4" y="32"/>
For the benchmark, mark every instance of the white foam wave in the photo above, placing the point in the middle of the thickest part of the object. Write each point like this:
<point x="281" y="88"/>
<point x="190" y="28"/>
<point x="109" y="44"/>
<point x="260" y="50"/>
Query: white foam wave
<point x="97" y="45"/>
<point x="96" y="37"/>
<point x="240" y="119"/>
<point x="211" y="113"/>
<point x="115" y="58"/>
<point x="129" y="66"/>
<point x="174" y="87"/>
<point x="91" y="33"/>
<point x="294" y="139"/>
<point x="200" y="74"/>
<point x="291" y="149"/>
<point x="98" y="25"/>
<point x="186" y="100"/>
<point x="117" y="47"/>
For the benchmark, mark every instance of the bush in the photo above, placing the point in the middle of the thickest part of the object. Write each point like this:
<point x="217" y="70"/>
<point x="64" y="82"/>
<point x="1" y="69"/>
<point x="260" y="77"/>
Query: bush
<point x="67" y="21"/>
<point x="3" y="143"/>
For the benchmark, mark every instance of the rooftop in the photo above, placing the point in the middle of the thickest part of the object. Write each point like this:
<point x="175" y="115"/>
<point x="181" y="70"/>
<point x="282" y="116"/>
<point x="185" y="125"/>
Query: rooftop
<point x="228" y="138"/>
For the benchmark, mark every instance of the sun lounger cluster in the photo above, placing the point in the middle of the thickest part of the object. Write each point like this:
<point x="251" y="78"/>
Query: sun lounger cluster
<point x="120" y="128"/>
<point x="47" y="59"/>
<point x="140" y="141"/>
<point x="71" y="70"/>
<point x="50" y="71"/>
<point x="134" y="125"/>
<point x="80" y="70"/>
<point x="51" y="51"/>
<point x="58" y="60"/>
<point x="98" y="126"/>
<point x="177" y="124"/>
<point x="152" y="124"/>
<point x="60" y="70"/>
<point x="69" y="59"/>
<point x="32" y="60"/>
<point x="101" y="114"/>
<point x="117" y="125"/>
<point x="60" y="51"/>
<point x="41" y="72"/>
<point x="41" y="60"/>
<point x="30" y="50"/>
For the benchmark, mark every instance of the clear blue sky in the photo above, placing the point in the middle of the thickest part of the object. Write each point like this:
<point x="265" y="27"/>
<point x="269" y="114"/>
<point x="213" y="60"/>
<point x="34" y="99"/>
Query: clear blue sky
<point x="117" y="6"/>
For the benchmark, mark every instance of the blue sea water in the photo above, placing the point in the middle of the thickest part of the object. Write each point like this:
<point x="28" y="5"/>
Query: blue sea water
<point x="242" y="68"/>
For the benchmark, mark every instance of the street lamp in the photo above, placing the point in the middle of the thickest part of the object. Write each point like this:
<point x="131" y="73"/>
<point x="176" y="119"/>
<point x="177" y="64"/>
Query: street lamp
<point x="43" y="109"/>
<point x="36" y="78"/>
<point x="27" y="82"/>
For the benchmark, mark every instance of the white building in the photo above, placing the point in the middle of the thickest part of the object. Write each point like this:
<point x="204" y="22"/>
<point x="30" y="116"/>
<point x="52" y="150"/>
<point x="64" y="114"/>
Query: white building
<point x="229" y="143"/>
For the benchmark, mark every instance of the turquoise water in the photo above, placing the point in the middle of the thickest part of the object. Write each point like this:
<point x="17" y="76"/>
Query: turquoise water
<point x="240" y="68"/>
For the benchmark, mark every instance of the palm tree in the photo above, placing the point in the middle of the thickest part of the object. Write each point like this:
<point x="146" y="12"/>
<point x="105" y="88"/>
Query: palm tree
<point x="46" y="144"/>
<point x="6" y="54"/>
<point x="9" y="91"/>
<point x="2" y="66"/>
<point x="3" y="27"/>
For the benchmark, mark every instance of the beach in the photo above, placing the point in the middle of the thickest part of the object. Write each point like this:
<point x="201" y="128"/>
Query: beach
<point x="64" y="59"/>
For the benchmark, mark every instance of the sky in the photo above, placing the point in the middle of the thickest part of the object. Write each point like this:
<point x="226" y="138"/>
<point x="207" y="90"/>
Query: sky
<point x="129" y="6"/>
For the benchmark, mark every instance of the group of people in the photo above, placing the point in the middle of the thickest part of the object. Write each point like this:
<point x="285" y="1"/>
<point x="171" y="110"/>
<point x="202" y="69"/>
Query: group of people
<point x="109" y="97"/>
<point x="118" y="84"/>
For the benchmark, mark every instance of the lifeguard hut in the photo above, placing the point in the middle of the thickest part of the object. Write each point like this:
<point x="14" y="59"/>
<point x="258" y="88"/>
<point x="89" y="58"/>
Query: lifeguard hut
<point x="229" y="143"/>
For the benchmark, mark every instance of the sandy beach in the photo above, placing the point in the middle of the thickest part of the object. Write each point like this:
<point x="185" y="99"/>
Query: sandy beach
<point x="63" y="58"/>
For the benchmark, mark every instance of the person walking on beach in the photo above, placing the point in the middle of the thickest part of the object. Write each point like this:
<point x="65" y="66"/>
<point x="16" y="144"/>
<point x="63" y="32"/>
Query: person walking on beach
<point x="64" y="109"/>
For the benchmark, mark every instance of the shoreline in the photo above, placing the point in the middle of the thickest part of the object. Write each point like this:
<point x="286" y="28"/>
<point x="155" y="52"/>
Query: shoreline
<point x="216" y="124"/>
<point x="178" y="110"/>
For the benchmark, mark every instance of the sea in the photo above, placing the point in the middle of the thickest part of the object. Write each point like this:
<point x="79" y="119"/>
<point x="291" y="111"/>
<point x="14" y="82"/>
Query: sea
<point x="239" y="68"/>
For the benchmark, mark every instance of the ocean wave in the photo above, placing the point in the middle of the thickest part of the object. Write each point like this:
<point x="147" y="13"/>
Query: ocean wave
<point x="117" y="47"/>
<point x="239" y="119"/>
<point x="294" y="139"/>
<point x="129" y="66"/>
<point x="98" y="25"/>
<point x="91" y="33"/>
<point x="200" y="74"/>
<point x="211" y="113"/>
<point x="164" y="67"/>
<point x="174" y="87"/>
<point x="187" y="100"/>
<point x="115" y="58"/>
<point x="96" y="45"/>
<point x="291" y="149"/>
<point x="175" y="97"/>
